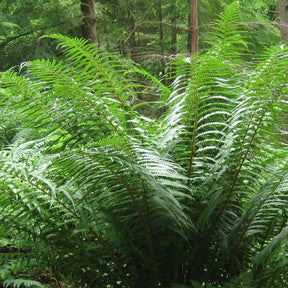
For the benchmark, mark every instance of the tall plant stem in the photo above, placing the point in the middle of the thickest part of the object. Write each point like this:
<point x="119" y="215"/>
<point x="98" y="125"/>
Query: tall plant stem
<point x="194" y="27"/>
<point x="195" y="128"/>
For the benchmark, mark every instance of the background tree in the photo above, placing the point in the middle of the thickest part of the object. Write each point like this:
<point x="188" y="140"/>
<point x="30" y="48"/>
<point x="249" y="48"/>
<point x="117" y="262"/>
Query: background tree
<point x="194" y="26"/>
<point x="283" y="12"/>
<point x="89" y="28"/>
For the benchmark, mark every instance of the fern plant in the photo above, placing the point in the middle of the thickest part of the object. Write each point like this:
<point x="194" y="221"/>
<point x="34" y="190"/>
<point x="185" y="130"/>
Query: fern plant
<point x="102" y="196"/>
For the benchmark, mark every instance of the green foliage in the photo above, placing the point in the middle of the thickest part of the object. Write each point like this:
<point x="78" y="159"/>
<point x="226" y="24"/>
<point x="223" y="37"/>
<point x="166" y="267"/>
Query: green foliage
<point x="23" y="23"/>
<point x="102" y="196"/>
<point x="23" y="283"/>
<point x="261" y="20"/>
<point x="147" y="31"/>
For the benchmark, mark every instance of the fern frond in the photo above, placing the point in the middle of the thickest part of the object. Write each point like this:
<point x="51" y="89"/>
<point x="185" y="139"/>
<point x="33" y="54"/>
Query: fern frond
<point x="263" y="218"/>
<point x="95" y="67"/>
<point x="24" y="283"/>
<point x="268" y="253"/>
<point x="227" y="37"/>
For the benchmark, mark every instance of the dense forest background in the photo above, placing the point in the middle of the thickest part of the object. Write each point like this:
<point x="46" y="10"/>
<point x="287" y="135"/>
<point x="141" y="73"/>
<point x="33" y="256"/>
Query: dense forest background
<point x="143" y="143"/>
<point x="149" y="32"/>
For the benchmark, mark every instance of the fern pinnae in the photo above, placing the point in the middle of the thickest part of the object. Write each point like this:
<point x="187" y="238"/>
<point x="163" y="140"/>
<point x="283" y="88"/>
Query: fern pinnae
<point x="91" y="58"/>
<point x="92" y="159"/>
<point x="268" y="252"/>
<point x="33" y="184"/>
<point x="227" y="33"/>
<point x="55" y="75"/>
<point x="18" y="282"/>
<point x="246" y="222"/>
<point x="193" y="139"/>
<point x="261" y="109"/>
<point x="149" y="181"/>
<point x="97" y="63"/>
<point x="64" y="207"/>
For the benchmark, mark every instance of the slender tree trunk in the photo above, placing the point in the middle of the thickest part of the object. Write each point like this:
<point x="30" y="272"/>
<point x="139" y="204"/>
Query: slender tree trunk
<point x="194" y="27"/>
<point x="89" y="29"/>
<point x="174" y="28"/>
<point x="161" y="39"/>
<point x="283" y="12"/>
<point x="132" y="39"/>
<point x="161" y="33"/>
<point x="189" y="35"/>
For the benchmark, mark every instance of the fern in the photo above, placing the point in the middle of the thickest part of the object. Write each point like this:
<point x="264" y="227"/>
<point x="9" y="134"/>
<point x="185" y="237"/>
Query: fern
<point x="104" y="196"/>
<point x="23" y="283"/>
<point x="227" y="37"/>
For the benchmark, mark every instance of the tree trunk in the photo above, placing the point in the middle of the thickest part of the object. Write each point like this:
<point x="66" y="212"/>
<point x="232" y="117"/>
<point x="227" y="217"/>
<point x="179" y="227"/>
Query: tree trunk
<point x="189" y="30"/>
<point x="161" y="33"/>
<point x="194" y="27"/>
<point x="161" y="39"/>
<point x="174" y="28"/>
<point x="283" y="12"/>
<point x="89" y="29"/>
<point x="132" y="38"/>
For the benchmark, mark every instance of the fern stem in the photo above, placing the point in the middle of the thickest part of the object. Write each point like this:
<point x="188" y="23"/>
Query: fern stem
<point x="195" y="126"/>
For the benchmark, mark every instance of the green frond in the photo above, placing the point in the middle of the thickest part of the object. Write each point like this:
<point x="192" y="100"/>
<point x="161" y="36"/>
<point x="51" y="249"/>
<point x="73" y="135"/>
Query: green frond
<point x="95" y="67"/>
<point x="265" y="257"/>
<point x="263" y="217"/>
<point x="227" y="36"/>
<point x="24" y="283"/>
<point x="199" y="109"/>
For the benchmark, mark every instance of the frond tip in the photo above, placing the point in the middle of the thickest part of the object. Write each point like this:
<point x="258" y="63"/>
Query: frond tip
<point x="227" y="36"/>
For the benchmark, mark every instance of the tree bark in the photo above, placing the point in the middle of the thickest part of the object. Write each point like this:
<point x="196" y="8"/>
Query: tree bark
<point x="161" y="33"/>
<point x="161" y="38"/>
<point x="283" y="12"/>
<point x="174" y="28"/>
<point x="132" y="38"/>
<point x="189" y="30"/>
<point x="194" y="27"/>
<point x="89" y="28"/>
